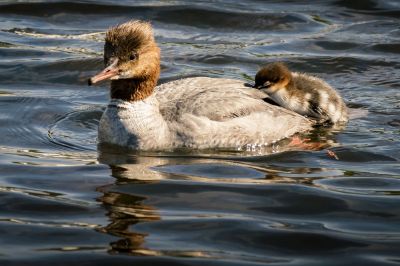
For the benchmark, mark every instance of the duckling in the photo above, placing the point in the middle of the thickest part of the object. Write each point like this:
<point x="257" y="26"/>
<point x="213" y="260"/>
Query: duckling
<point x="302" y="93"/>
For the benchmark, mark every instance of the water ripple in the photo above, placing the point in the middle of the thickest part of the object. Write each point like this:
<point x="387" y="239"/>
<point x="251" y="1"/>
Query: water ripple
<point x="64" y="200"/>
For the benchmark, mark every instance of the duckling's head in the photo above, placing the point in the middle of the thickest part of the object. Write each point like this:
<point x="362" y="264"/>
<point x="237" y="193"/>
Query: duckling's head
<point x="273" y="77"/>
<point x="130" y="52"/>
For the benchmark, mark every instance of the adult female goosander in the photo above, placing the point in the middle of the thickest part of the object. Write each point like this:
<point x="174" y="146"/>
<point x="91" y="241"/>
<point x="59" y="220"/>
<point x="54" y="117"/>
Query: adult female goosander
<point x="193" y="112"/>
<point x="301" y="93"/>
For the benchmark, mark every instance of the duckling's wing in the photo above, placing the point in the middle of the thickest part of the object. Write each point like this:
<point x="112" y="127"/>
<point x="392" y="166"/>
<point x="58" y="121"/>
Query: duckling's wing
<point x="315" y="110"/>
<point x="216" y="99"/>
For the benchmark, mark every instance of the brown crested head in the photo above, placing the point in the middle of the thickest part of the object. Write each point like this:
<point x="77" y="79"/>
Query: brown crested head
<point x="272" y="77"/>
<point x="131" y="58"/>
<point x="128" y="36"/>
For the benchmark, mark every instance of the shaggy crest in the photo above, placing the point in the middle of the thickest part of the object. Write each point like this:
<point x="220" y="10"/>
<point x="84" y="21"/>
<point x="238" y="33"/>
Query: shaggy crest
<point x="131" y="35"/>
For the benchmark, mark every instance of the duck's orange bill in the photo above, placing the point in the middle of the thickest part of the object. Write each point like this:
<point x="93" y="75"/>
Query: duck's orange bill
<point x="103" y="75"/>
<point x="107" y="73"/>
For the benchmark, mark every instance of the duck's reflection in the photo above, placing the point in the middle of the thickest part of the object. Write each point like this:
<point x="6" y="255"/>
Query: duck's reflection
<point x="126" y="210"/>
<point x="130" y="165"/>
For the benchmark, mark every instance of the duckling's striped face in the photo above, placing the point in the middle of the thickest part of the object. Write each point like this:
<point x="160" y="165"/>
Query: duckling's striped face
<point x="130" y="52"/>
<point x="272" y="77"/>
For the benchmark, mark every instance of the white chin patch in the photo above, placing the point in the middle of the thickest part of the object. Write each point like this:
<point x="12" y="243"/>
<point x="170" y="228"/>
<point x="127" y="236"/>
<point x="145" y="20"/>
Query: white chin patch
<point x="267" y="90"/>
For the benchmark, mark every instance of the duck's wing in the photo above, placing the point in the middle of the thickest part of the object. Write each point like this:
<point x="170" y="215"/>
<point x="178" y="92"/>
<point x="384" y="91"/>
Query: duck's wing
<point x="257" y="128"/>
<point x="212" y="113"/>
<point x="216" y="99"/>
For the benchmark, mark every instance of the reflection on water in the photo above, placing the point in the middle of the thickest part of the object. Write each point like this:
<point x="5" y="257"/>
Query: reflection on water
<point x="328" y="197"/>
<point x="158" y="207"/>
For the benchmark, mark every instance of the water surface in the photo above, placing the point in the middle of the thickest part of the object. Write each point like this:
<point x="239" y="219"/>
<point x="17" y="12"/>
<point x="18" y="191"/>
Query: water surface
<point x="65" y="200"/>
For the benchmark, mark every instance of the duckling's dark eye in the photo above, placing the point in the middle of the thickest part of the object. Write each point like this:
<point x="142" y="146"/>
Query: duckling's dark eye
<point x="267" y="84"/>
<point x="133" y="56"/>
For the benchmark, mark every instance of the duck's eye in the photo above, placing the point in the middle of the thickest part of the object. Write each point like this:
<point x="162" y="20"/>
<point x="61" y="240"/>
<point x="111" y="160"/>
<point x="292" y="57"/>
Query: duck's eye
<point x="133" y="56"/>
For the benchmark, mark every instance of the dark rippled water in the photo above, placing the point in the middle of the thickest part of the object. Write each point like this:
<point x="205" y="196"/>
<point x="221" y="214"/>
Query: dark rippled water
<point x="63" y="200"/>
